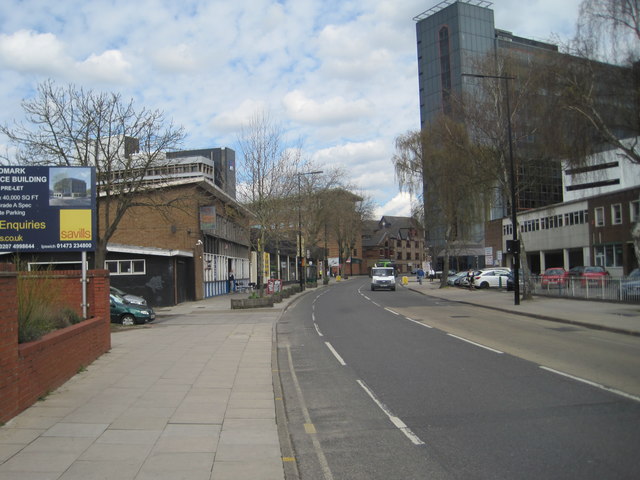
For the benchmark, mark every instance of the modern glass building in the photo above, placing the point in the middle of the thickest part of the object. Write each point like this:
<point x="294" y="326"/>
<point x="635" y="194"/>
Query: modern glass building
<point x="453" y="38"/>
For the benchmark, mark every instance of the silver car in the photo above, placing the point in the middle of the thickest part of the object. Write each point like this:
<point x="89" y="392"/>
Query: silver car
<point x="134" y="299"/>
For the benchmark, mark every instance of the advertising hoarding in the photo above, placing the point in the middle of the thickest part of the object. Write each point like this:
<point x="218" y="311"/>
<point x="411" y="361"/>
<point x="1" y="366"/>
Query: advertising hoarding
<point x="47" y="209"/>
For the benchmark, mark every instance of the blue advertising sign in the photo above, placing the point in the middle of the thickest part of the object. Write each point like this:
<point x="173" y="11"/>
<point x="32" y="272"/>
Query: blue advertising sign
<point x="47" y="209"/>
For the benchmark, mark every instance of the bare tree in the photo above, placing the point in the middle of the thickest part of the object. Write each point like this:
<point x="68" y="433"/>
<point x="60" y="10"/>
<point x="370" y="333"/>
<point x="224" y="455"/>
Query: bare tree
<point x="71" y="126"/>
<point x="267" y="176"/>
<point x="440" y="165"/>
<point x="607" y="99"/>
<point x="346" y="212"/>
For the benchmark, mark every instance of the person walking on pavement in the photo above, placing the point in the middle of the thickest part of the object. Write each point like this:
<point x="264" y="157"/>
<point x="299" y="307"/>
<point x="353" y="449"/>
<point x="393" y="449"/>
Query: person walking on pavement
<point x="420" y="274"/>
<point x="432" y="274"/>
<point x="470" y="276"/>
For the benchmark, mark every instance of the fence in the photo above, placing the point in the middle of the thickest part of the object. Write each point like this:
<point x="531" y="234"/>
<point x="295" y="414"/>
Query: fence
<point x="622" y="289"/>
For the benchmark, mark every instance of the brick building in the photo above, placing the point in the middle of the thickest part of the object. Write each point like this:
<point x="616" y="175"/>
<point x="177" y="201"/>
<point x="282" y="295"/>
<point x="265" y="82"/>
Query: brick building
<point x="398" y="239"/>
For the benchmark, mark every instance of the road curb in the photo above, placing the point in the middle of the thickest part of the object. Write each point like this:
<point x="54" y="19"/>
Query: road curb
<point x="289" y="459"/>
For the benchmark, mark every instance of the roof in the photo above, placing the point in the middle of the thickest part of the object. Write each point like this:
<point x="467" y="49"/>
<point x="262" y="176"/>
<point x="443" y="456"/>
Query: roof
<point x="377" y="232"/>
<point x="135" y="249"/>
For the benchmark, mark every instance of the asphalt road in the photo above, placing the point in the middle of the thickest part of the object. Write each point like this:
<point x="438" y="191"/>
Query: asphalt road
<point x="396" y="385"/>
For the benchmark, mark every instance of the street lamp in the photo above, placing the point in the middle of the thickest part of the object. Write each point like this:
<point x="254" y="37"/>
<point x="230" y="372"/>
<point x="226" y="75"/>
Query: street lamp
<point x="515" y="245"/>
<point x="300" y="270"/>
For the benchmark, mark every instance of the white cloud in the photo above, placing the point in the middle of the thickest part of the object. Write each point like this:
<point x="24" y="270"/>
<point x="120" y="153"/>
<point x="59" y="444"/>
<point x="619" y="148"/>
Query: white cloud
<point x="234" y="120"/>
<point x="332" y="111"/>
<point x="175" y="58"/>
<point x="398" y="206"/>
<point x="350" y="154"/>
<point x="108" y="67"/>
<point x="31" y="52"/>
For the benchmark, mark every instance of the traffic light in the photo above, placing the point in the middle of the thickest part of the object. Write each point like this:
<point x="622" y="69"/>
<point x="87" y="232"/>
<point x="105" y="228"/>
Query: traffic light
<point x="513" y="246"/>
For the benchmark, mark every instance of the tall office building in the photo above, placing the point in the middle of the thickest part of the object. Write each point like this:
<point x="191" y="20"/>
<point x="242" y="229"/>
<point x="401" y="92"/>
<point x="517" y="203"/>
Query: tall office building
<point x="453" y="38"/>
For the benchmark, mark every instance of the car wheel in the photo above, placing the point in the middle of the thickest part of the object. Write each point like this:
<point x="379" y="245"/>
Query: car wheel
<point x="393" y="289"/>
<point x="128" y="320"/>
<point x="484" y="285"/>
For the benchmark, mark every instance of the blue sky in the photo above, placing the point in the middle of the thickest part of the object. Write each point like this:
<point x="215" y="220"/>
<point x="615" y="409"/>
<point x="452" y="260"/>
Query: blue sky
<point x="341" y="75"/>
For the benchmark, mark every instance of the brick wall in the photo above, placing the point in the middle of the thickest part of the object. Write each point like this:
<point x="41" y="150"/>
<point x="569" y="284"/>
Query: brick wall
<point x="162" y="227"/>
<point x="8" y="341"/>
<point x="30" y="370"/>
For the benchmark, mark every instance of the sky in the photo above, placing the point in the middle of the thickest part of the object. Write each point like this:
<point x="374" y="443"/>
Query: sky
<point x="340" y="76"/>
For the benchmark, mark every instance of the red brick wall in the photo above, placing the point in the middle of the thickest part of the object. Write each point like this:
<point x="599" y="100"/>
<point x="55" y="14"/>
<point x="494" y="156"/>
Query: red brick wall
<point x="8" y="342"/>
<point x="30" y="370"/>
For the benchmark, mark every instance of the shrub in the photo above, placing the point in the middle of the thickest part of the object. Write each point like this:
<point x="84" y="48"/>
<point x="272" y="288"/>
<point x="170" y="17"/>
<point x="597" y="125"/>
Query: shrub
<point x="39" y="311"/>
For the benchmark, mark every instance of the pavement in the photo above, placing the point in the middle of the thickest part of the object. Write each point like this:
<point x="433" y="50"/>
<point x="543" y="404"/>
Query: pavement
<point x="610" y="316"/>
<point x="189" y="396"/>
<point x="195" y="395"/>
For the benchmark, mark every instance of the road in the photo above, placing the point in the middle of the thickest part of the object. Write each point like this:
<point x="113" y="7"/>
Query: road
<point x="396" y="385"/>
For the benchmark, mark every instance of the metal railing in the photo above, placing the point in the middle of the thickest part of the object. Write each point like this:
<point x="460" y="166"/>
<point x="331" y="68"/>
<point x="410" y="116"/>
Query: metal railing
<point x="620" y="289"/>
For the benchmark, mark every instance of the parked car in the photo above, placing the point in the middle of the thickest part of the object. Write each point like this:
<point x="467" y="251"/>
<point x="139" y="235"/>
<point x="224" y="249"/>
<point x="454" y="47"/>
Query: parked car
<point x="463" y="280"/>
<point x="451" y="279"/>
<point x="129" y="313"/>
<point x="510" y="282"/>
<point x="592" y="275"/>
<point x="554" y="277"/>
<point x="491" y="278"/>
<point x="630" y="285"/>
<point x="136" y="300"/>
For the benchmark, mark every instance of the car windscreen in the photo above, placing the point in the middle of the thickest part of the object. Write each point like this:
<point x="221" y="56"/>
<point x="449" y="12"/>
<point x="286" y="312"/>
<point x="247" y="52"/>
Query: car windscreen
<point x="554" y="271"/>
<point x="382" y="272"/>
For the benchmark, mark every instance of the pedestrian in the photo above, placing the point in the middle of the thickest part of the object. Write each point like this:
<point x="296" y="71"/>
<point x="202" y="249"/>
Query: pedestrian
<point x="470" y="276"/>
<point x="232" y="282"/>
<point x="420" y="274"/>
<point x="432" y="274"/>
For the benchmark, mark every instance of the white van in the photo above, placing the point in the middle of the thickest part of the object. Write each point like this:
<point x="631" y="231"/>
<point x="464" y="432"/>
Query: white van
<point x="383" y="277"/>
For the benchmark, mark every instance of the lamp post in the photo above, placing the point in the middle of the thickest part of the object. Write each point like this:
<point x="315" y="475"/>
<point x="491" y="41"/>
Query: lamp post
<point x="515" y="244"/>
<point x="300" y="269"/>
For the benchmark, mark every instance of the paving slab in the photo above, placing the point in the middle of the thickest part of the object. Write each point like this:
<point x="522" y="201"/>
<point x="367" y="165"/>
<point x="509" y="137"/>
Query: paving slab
<point x="187" y="397"/>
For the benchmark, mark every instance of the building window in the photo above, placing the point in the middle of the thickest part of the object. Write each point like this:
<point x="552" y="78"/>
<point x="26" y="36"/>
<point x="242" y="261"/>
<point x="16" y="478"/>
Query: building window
<point x="634" y="213"/>
<point x="616" y="214"/>
<point x="599" y="215"/>
<point x="126" y="267"/>
<point x="608" y="255"/>
<point x="445" y="68"/>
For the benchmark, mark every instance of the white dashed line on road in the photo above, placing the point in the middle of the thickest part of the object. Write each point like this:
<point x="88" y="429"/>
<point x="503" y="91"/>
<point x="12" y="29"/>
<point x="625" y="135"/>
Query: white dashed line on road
<point x="400" y="425"/>
<point x="335" y="354"/>
<point x="476" y="344"/>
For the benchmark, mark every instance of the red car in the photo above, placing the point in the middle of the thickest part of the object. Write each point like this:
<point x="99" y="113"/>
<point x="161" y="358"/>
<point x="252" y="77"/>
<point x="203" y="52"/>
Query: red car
<point x="554" y="277"/>
<point x="592" y="275"/>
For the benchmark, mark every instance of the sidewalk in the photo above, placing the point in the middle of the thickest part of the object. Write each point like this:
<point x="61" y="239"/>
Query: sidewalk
<point x="189" y="396"/>
<point x="615" y="317"/>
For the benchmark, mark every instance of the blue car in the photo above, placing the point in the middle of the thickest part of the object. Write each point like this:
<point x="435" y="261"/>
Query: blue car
<point x="631" y="286"/>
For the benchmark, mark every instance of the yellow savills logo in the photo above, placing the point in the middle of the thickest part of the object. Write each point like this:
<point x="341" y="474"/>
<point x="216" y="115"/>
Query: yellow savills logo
<point x="75" y="224"/>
